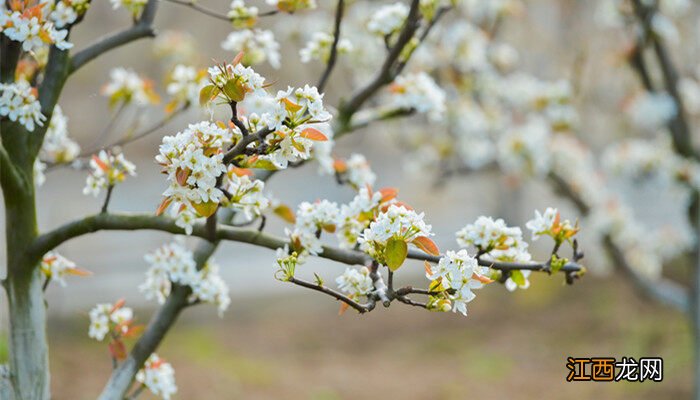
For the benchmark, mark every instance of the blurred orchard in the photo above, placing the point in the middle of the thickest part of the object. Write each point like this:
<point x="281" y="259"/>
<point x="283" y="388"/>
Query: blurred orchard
<point x="433" y="158"/>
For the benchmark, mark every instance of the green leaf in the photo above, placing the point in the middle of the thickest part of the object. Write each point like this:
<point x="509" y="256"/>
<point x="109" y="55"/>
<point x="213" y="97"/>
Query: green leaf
<point x="207" y="93"/>
<point x="234" y="90"/>
<point x="395" y="253"/>
<point x="518" y="277"/>
<point x="556" y="263"/>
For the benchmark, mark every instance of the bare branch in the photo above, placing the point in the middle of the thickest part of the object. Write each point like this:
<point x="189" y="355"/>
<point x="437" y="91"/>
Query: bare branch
<point x="141" y="29"/>
<point x="212" y="13"/>
<point x="338" y="296"/>
<point x="334" y="47"/>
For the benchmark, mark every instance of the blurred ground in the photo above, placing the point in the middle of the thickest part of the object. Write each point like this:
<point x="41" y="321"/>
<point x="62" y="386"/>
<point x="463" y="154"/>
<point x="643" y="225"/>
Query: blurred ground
<point x="296" y="347"/>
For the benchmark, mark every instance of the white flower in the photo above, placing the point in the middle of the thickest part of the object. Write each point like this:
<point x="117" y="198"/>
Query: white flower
<point x="319" y="47"/>
<point x="420" y="92"/>
<point x="355" y="283"/>
<point x="33" y="31"/>
<point x="158" y="376"/>
<point x="542" y="223"/>
<point x="311" y="219"/>
<point x="133" y="6"/>
<point x="55" y="267"/>
<point x="496" y="239"/>
<point x="108" y="317"/>
<point x="18" y="102"/>
<point x="388" y="19"/>
<point x="57" y="146"/>
<point x="184" y="83"/>
<point x="107" y="170"/>
<point x="257" y="45"/>
<point x="459" y="273"/>
<point x="397" y="222"/>
<point x="127" y="86"/>
<point x="524" y="149"/>
<point x="359" y="173"/>
<point x="173" y="263"/>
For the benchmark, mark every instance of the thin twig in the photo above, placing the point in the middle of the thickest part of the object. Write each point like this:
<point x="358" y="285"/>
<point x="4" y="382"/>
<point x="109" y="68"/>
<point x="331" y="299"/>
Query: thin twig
<point x="334" y="47"/>
<point x="110" y="188"/>
<point x="338" y="296"/>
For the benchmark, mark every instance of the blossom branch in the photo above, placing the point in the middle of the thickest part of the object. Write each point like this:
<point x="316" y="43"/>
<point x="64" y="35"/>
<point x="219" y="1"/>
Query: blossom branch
<point x="141" y="29"/>
<point x="662" y="289"/>
<point x="111" y="221"/>
<point x="334" y="47"/>
<point x="387" y="72"/>
<point x="212" y="13"/>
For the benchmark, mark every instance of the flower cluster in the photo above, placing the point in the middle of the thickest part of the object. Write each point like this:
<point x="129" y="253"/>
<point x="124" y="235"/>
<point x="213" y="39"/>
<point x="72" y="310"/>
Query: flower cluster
<point x="110" y="318"/>
<point x="184" y="84"/>
<point x="355" y="216"/>
<point x="311" y="220"/>
<point x="549" y="223"/>
<point x="355" y="282"/>
<point x="245" y="194"/>
<point x="241" y="15"/>
<point x="135" y="7"/>
<point x="126" y="86"/>
<point x="57" y="146"/>
<point x="291" y="6"/>
<point x="193" y="161"/>
<point x="106" y="170"/>
<point x="34" y="26"/>
<point x="495" y="239"/>
<point x="388" y="19"/>
<point x="453" y="279"/>
<point x="319" y="47"/>
<point x="158" y="376"/>
<point x="356" y="171"/>
<point x="172" y="264"/>
<point x="387" y="236"/>
<point x="55" y="267"/>
<point x="419" y="92"/>
<point x="18" y="102"/>
<point x="258" y="46"/>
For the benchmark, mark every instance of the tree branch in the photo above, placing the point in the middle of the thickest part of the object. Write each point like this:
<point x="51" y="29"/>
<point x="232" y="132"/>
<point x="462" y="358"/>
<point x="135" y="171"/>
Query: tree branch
<point x="334" y="47"/>
<point x="141" y="29"/>
<point x="361" y="308"/>
<point x="386" y="73"/>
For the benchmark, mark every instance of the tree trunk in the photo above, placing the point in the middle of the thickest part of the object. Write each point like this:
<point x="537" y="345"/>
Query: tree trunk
<point x="29" y="358"/>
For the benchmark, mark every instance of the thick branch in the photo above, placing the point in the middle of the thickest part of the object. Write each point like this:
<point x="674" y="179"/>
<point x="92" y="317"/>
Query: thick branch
<point x="141" y="29"/>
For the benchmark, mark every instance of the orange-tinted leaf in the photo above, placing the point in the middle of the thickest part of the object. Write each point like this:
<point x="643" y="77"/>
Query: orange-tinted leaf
<point x="100" y="163"/>
<point x="181" y="176"/>
<point x="241" y="171"/>
<point x="163" y="205"/>
<point x="482" y="279"/>
<point x="117" y="349"/>
<point x="290" y="105"/>
<point x="343" y="307"/>
<point x="119" y="304"/>
<point x="286" y="213"/>
<point x="428" y="268"/>
<point x="339" y="166"/>
<point x="314" y="134"/>
<point x="78" y="272"/>
<point x="388" y="194"/>
<point x="427" y="245"/>
<point x="330" y="228"/>
<point x="237" y="59"/>
<point x="134" y="331"/>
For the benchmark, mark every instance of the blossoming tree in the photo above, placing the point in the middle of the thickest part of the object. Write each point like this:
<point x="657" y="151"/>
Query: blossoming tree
<point x="407" y="58"/>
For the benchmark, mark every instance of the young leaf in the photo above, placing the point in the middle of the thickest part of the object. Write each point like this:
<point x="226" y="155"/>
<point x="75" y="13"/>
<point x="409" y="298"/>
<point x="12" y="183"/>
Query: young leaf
<point x="117" y="349"/>
<point x="163" y="205"/>
<point x="395" y="253"/>
<point x="206" y="209"/>
<point x="427" y="245"/>
<point x="207" y="94"/>
<point x="314" y="134"/>
<point x="286" y="213"/>
<point x="234" y="90"/>
<point x="518" y="277"/>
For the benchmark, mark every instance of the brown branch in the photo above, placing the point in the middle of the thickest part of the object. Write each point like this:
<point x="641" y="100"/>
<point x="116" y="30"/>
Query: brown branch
<point x="334" y="47"/>
<point x="141" y="29"/>
<point x="337" y="295"/>
<point x="212" y="13"/>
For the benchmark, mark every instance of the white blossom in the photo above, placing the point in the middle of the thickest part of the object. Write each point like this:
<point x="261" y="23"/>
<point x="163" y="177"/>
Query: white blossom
<point x="158" y="376"/>
<point x="18" y="102"/>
